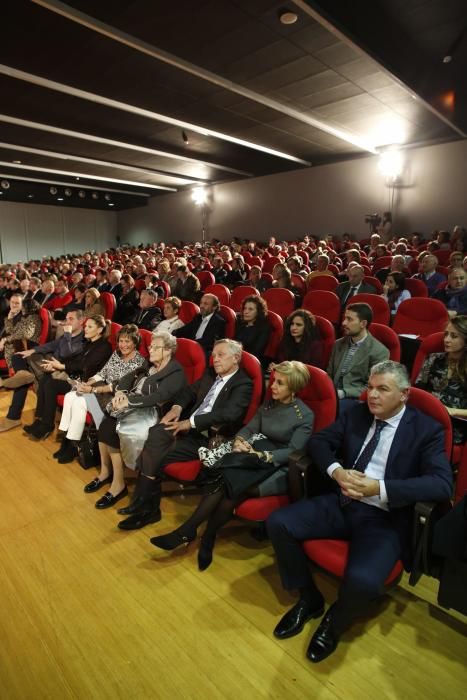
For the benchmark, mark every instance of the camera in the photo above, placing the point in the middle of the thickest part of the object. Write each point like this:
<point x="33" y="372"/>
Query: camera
<point x="373" y="219"/>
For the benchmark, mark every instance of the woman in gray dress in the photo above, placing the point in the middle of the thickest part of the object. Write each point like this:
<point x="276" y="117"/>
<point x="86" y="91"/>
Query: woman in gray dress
<point x="257" y="465"/>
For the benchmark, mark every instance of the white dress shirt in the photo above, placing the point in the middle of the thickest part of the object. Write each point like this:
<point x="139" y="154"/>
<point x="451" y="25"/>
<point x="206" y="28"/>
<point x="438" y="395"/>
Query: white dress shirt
<point x="220" y="385"/>
<point x="202" y="327"/>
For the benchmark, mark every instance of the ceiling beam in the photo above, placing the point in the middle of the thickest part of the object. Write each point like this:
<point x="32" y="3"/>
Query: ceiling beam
<point x="76" y="185"/>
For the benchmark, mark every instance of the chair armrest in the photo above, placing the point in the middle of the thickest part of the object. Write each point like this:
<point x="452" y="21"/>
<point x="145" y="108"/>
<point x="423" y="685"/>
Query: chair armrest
<point x="426" y="513"/>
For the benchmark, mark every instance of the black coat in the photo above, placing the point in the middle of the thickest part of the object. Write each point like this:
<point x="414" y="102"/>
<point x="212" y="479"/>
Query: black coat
<point x="215" y="330"/>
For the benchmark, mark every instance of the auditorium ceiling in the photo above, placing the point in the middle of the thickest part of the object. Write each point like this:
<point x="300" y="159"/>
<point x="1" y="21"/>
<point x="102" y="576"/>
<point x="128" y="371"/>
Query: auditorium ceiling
<point x="107" y="103"/>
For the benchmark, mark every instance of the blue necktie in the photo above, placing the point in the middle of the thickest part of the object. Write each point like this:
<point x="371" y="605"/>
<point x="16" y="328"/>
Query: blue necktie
<point x="208" y="398"/>
<point x="365" y="457"/>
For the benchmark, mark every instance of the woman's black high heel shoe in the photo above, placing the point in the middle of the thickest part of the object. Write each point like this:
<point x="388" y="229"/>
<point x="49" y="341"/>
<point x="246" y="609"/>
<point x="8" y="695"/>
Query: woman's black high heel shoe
<point x="174" y="539"/>
<point x="205" y="553"/>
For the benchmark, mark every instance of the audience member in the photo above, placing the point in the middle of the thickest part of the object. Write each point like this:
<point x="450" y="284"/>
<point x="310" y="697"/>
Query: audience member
<point x="187" y="286"/>
<point x="253" y="329"/>
<point x="148" y="315"/>
<point x="301" y="340"/>
<point x="22" y="328"/>
<point x="428" y="273"/>
<point x="127" y="304"/>
<point x="171" y="322"/>
<point x="256" y="279"/>
<point x="356" y="285"/>
<point x="394" y="291"/>
<point x="207" y="326"/>
<point x="454" y="294"/>
<point x="382" y="456"/>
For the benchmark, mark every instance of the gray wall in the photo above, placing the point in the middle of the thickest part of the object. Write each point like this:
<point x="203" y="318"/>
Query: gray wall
<point x="31" y="231"/>
<point x="325" y="199"/>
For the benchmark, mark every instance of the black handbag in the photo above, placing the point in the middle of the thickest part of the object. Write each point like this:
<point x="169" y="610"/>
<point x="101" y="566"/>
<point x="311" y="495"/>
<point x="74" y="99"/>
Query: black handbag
<point x="88" y="449"/>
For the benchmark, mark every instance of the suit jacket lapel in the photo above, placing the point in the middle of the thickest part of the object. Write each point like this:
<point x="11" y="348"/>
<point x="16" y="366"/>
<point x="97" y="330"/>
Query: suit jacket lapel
<point x="402" y="438"/>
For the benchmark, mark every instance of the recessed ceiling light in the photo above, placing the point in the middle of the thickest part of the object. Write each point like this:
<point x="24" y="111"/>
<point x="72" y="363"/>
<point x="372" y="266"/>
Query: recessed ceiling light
<point x="30" y="196"/>
<point x="59" y="199"/>
<point x="288" y="18"/>
<point x="18" y="162"/>
<point x="111" y="204"/>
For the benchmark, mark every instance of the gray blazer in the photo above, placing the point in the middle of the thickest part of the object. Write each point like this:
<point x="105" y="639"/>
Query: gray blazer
<point x="356" y="377"/>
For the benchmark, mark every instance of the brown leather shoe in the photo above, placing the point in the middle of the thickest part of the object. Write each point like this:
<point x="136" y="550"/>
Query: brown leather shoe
<point x="8" y="424"/>
<point x="21" y="378"/>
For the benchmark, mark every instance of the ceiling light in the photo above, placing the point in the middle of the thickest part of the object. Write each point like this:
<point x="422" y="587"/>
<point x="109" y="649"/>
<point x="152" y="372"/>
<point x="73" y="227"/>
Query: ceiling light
<point x="59" y="199"/>
<point x="288" y="18"/>
<point x="390" y="164"/>
<point x="447" y="59"/>
<point x="18" y="162"/>
<point x="30" y="196"/>
<point x="95" y="195"/>
<point x="81" y="194"/>
<point x="185" y="137"/>
<point x="107" y="197"/>
<point x="389" y="130"/>
<point x="199" y="195"/>
<point x="53" y="191"/>
<point x="111" y="204"/>
<point x="68" y="192"/>
<point x="5" y="185"/>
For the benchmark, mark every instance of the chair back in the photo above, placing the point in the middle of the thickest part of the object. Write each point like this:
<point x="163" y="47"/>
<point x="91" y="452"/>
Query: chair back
<point x="188" y="311"/>
<point x="430" y="344"/>
<point x="387" y="337"/>
<point x="328" y="337"/>
<point x="252" y="367"/>
<point x="206" y="278"/>
<point x="374" y="281"/>
<point x="323" y="303"/>
<point x="140" y="285"/>
<point x="230" y="318"/>
<point x="281" y="301"/>
<point x="114" y="330"/>
<point x="417" y="288"/>
<point x="146" y="340"/>
<point x="320" y="282"/>
<point x="420" y="317"/>
<point x="238" y="295"/>
<point x="269" y="263"/>
<point x="45" y="326"/>
<point x="277" y="330"/>
<point x="109" y="302"/>
<point x="299" y="283"/>
<point x="379" y="306"/>
<point x="379" y="263"/>
<point x="191" y="356"/>
<point x="220" y="291"/>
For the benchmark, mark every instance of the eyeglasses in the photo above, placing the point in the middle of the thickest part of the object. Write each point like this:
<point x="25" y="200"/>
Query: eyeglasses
<point x="157" y="347"/>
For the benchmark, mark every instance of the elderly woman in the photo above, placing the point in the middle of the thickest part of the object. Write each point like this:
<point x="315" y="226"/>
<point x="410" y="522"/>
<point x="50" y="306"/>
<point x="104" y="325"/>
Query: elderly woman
<point x="171" y="322"/>
<point x="22" y="327"/>
<point x="149" y="387"/>
<point x="253" y="329"/>
<point x="96" y="352"/>
<point x="92" y="304"/>
<point x="257" y="464"/>
<point x="444" y="374"/>
<point x="94" y="394"/>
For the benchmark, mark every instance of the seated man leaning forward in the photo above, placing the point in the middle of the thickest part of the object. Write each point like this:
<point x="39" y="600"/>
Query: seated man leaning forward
<point x="383" y="457"/>
<point x="221" y="397"/>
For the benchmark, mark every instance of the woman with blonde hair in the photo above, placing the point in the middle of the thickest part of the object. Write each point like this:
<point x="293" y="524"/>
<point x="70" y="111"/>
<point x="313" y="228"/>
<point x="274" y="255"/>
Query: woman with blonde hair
<point x="257" y="464"/>
<point x="92" y="304"/>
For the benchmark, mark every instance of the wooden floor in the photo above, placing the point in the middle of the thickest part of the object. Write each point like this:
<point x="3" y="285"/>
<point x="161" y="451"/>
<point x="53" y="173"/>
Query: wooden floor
<point x="92" y="612"/>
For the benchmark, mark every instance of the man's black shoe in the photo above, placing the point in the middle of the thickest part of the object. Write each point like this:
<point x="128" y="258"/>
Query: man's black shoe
<point x="324" y="641"/>
<point x="294" y="620"/>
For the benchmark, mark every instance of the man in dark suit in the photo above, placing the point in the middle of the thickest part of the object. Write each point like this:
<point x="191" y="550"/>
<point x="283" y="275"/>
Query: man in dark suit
<point x="383" y="457"/>
<point x="207" y="326"/>
<point x="149" y="314"/>
<point x="220" y="398"/>
<point x="187" y="285"/>
<point x="346" y="290"/>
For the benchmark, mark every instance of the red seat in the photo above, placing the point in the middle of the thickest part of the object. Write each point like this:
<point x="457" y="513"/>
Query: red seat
<point x="379" y="306"/>
<point x="256" y="260"/>
<point x="146" y="340"/>
<point x="44" y="335"/>
<point x="332" y="555"/>
<point x="443" y="256"/>
<point x="379" y="263"/>
<point x="220" y="291"/>
<point x="277" y="331"/>
<point x="191" y="356"/>
<point x="323" y="303"/>
<point x="420" y="317"/>
<point x="320" y="396"/>
<point x="387" y="337"/>
<point x="430" y="344"/>
<point x="238" y="295"/>
<point x="166" y="287"/>
<point x="304" y="256"/>
<point x="114" y="329"/>
<point x="417" y="288"/>
<point x="230" y="318"/>
<point x="109" y="303"/>
<point x="189" y="470"/>
<point x="188" y="311"/>
<point x="374" y="281"/>
<point x="328" y="336"/>
<point x="140" y="285"/>
<point x="320" y="282"/>
<point x="299" y="283"/>
<point x="281" y="301"/>
<point x="269" y="263"/>
<point x="206" y="278"/>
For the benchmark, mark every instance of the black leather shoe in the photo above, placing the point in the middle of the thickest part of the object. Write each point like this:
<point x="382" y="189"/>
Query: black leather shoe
<point x="323" y="642"/>
<point x="28" y="428"/>
<point x="205" y="555"/>
<point x="139" y="520"/>
<point x="40" y="431"/>
<point x="107" y="500"/>
<point x="69" y="454"/>
<point x="295" y="619"/>
<point x="96" y="484"/>
<point x="136" y="506"/>
<point x="172" y="540"/>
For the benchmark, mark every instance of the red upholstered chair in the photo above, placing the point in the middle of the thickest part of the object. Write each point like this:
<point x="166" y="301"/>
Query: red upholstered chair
<point x="328" y="335"/>
<point x="114" y="329"/>
<point x="256" y="260"/>
<point x="191" y="356"/>
<point x="299" y="283"/>
<point x="374" y="281"/>
<point x="206" y="278"/>
<point x="45" y="329"/>
<point x="326" y="282"/>
<point x="281" y="301"/>
<point x="420" y="317"/>
<point x="417" y="288"/>
<point x="230" y="318"/>
<point x="220" y="291"/>
<point x="323" y="303"/>
<point x="387" y="337"/>
<point x="379" y="263"/>
<point x="461" y="480"/>
<point x="319" y="395"/>
<point x="166" y="287"/>
<point x="188" y="311"/>
<point x="146" y="340"/>
<point x="331" y="555"/>
<point x="333" y="268"/>
<point x="189" y="470"/>
<point x="304" y="256"/>
<point x="430" y="344"/>
<point x="238" y="295"/>
<point x="277" y="331"/>
<point x="109" y="303"/>
<point x="140" y="285"/>
<point x="443" y="256"/>
<point x="379" y="306"/>
<point x="270" y="262"/>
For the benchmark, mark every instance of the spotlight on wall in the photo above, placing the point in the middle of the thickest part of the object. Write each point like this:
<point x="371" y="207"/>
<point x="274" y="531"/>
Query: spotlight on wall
<point x="185" y="137"/>
<point x="5" y="185"/>
<point x="391" y="164"/>
<point x="199" y="195"/>
<point x="95" y="195"/>
<point x="81" y="194"/>
<point x="53" y="191"/>
<point x="68" y="192"/>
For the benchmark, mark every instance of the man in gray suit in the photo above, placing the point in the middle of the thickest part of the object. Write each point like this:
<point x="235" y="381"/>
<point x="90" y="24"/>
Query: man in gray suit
<point x="354" y="354"/>
<point x="346" y="290"/>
